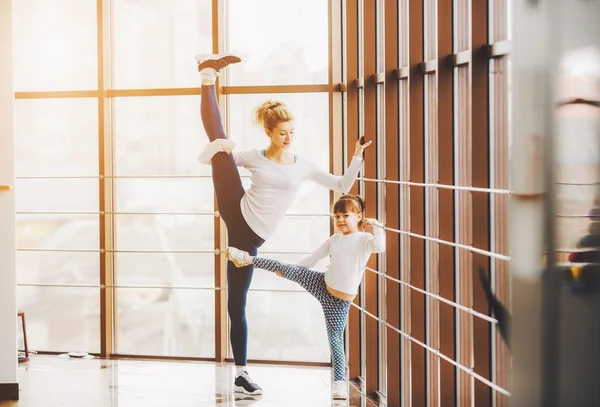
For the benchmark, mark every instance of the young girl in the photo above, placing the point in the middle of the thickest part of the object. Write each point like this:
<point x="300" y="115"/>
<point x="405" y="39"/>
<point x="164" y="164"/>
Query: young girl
<point x="335" y="289"/>
<point x="252" y="216"/>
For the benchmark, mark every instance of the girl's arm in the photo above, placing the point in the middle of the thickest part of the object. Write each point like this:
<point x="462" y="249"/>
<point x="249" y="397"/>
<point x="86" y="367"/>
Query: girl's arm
<point x="343" y="183"/>
<point x="312" y="259"/>
<point x="376" y="244"/>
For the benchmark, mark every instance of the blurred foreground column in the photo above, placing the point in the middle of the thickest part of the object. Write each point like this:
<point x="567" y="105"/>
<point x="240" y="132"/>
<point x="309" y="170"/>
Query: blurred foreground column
<point x="527" y="205"/>
<point x="556" y="309"/>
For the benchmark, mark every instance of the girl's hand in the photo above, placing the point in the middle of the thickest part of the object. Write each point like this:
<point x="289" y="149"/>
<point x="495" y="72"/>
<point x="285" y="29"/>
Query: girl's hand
<point x="360" y="146"/>
<point x="369" y="222"/>
<point x="279" y="273"/>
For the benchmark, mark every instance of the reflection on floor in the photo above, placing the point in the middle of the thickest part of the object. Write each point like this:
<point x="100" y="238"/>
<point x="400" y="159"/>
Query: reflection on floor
<point x="52" y="381"/>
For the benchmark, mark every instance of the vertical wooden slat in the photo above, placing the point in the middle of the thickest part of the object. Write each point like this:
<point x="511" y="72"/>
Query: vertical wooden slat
<point x="445" y="110"/>
<point x="501" y="276"/>
<point x="336" y="127"/>
<point x="381" y="202"/>
<point x="464" y="236"/>
<point x="106" y="187"/>
<point x="392" y="201"/>
<point x="417" y="201"/>
<point x="432" y="205"/>
<point x="500" y="270"/>
<point x="481" y="201"/>
<point x="220" y="242"/>
<point x="370" y="192"/>
<point x="463" y="231"/>
<point x="337" y="130"/>
<point x="354" y="332"/>
<point x="405" y="258"/>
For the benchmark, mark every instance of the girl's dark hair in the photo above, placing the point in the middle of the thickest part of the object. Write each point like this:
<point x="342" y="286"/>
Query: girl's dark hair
<point x="351" y="203"/>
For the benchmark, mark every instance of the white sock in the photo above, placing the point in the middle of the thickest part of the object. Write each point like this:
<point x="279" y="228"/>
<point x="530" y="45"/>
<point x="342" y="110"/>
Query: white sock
<point x="239" y="370"/>
<point x="209" y="74"/>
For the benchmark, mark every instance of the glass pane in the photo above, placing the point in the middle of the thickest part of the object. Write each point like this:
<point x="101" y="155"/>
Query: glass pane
<point x="299" y="234"/>
<point x="61" y="319"/>
<point x="72" y="268"/>
<point x="58" y="232"/>
<point x="165" y="232"/>
<point x="286" y="326"/>
<point x="155" y="42"/>
<point x="159" y="136"/>
<point x="64" y="195"/>
<point x="281" y="42"/>
<point x="55" y="45"/>
<point x="165" y="195"/>
<point x="166" y="322"/>
<point x="166" y="269"/>
<point x="56" y="137"/>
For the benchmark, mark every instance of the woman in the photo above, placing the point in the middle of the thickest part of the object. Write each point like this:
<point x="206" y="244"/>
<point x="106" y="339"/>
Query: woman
<point x="252" y="216"/>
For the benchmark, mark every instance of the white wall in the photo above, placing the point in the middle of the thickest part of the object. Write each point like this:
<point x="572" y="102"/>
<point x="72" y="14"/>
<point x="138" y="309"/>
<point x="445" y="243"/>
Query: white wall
<point x="8" y="307"/>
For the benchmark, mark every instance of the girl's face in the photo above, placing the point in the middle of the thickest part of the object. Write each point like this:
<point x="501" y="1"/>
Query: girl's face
<point x="282" y="135"/>
<point x="347" y="222"/>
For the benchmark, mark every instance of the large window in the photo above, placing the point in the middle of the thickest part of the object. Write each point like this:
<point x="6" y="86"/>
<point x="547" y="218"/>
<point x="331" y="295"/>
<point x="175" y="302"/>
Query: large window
<point x="116" y="217"/>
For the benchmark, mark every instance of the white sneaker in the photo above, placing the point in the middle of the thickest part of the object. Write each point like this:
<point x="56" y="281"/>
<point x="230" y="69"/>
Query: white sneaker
<point x="340" y="390"/>
<point x="244" y="384"/>
<point x="239" y="257"/>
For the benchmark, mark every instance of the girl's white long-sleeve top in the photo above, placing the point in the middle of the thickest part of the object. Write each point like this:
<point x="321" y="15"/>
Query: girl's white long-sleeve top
<point x="348" y="256"/>
<point x="274" y="186"/>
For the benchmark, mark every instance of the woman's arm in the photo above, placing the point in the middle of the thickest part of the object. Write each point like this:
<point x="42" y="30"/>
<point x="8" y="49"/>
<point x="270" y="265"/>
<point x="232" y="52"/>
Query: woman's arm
<point x="343" y="183"/>
<point x="241" y="158"/>
<point x="215" y="147"/>
<point x="312" y="259"/>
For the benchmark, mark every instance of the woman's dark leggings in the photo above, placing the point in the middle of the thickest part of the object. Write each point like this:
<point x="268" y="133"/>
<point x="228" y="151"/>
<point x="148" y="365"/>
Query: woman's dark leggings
<point x="229" y="191"/>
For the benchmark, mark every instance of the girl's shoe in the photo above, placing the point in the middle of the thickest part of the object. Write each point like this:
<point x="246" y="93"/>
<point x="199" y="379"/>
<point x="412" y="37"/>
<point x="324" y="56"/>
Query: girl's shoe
<point x="239" y="257"/>
<point x="340" y="390"/>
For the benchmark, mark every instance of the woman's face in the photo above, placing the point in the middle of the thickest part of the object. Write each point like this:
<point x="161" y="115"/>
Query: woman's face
<point x="282" y="135"/>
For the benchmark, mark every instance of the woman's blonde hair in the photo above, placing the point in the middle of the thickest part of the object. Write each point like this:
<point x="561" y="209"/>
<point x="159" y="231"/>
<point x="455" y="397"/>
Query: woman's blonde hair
<point x="271" y="113"/>
<point x="351" y="203"/>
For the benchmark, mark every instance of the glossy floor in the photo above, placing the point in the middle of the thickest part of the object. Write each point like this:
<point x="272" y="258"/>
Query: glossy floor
<point x="53" y="381"/>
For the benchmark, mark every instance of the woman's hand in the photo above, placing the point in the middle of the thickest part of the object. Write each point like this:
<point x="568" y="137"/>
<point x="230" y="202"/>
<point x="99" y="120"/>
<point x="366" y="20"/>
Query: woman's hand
<point x="226" y="146"/>
<point x="360" y="146"/>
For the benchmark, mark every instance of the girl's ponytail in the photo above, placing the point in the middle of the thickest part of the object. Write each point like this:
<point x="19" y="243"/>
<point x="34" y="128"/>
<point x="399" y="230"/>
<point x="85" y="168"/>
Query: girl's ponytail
<point x="362" y="224"/>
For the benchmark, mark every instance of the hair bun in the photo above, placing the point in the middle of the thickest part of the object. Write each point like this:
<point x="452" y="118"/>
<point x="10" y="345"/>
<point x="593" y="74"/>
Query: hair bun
<point x="270" y="113"/>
